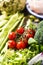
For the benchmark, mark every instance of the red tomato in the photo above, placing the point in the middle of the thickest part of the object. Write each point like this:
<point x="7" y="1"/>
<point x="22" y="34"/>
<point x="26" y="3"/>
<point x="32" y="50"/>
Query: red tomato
<point x="26" y="42"/>
<point x="29" y="35"/>
<point x="11" y="44"/>
<point x="20" y="45"/>
<point x="31" y="31"/>
<point x="20" y="30"/>
<point x="12" y="35"/>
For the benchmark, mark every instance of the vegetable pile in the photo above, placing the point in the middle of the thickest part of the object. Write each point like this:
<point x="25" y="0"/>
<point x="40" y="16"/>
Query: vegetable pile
<point x="19" y="38"/>
<point x="23" y="41"/>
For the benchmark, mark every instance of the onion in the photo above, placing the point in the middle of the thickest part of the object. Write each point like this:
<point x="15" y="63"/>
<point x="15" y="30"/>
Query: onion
<point x="35" y="59"/>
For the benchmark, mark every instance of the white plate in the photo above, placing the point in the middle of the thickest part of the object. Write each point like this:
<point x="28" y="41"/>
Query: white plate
<point x="33" y="13"/>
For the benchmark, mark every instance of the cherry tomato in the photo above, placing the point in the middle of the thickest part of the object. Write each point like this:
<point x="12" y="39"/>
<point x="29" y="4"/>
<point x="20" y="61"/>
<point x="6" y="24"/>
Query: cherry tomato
<point x="31" y="31"/>
<point x="26" y="42"/>
<point x="29" y="36"/>
<point x="12" y="35"/>
<point x="20" y="30"/>
<point x="11" y="44"/>
<point x="20" y="45"/>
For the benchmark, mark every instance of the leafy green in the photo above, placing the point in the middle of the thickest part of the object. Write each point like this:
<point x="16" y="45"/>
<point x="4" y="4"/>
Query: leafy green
<point x="41" y="48"/>
<point x="40" y="25"/>
<point x="39" y="36"/>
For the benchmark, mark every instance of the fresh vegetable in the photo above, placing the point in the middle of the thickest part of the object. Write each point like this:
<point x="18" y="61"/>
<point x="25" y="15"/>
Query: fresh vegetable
<point x="32" y="17"/>
<point x="12" y="23"/>
<point x="40" y="25"/>
<point x="23" y="42"/>
<point x="22" y="22"/>
<point x="38" y="63"/>
<point x="30" y="25"/>
<point x="21" y="45"/>
<point x="12" y="35"/>
<point x="41" y="48"/>
<point x="15" y="48"/>
<point x="2" y="23"/>
<point x="2" y="17"/>
<point x="26" y="42"/>
<point x="18" y="57"/>
<point x="38" y="57"/>
<point x="20" y="30"/>
<point x="29" y="35"/>
<point x="31" y="31"/>
<point x="39" y="36"/>
<point x="11" y="44"/>
<point x="32" y="41"/>
<point x="12" y="6"/>
<point x="37" y="20"/>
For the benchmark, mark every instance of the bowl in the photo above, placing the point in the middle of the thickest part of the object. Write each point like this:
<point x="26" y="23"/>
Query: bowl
<point x="32" y="12"/>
